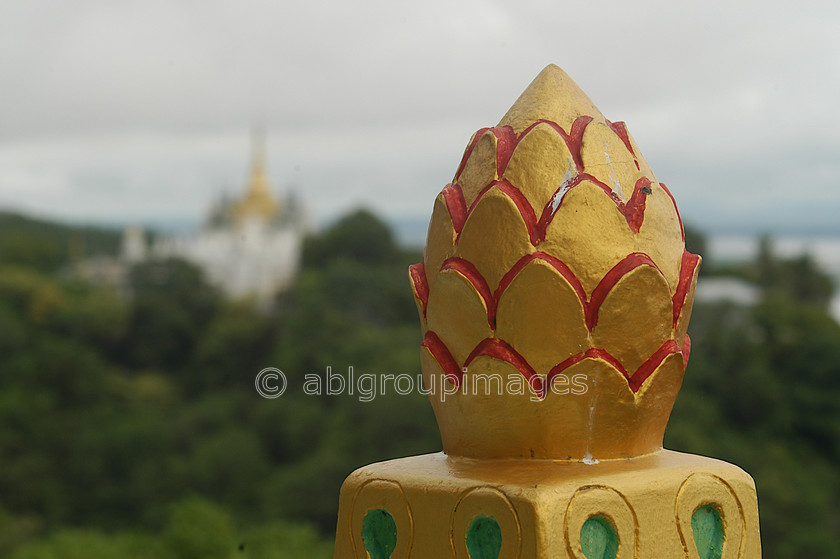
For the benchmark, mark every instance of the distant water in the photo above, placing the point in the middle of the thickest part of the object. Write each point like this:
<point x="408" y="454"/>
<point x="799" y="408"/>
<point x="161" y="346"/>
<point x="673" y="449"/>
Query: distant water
<point x="824" y="250"/>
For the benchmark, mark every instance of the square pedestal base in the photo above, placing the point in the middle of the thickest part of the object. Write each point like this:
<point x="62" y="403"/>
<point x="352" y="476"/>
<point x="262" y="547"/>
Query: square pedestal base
<point x="641" y="508"/>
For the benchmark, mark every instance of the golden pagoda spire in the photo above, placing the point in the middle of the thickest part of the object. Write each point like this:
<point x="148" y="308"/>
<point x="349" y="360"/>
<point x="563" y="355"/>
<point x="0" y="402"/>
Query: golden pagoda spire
<point x="258" y="200"/>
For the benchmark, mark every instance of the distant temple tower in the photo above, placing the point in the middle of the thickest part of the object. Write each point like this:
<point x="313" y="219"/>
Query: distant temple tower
<point x="258" y="202"/>
<point x="249" y="247"/>
<point x="554" y="297"/>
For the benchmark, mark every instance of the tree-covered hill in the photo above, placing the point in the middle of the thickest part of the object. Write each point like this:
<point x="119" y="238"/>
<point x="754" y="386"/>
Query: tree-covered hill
<point x="131" y="427"/>
<point x="47" y="246"/>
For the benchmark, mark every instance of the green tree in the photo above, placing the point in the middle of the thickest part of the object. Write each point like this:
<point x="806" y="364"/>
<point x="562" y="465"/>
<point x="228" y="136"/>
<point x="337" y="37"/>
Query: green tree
<point x="281" y="540"/>
<point x="762" y="391"/>
<point x="359" y="236"/>
<point x="199" y="529"/>
<point x="48" y="246"/>
<point x="92" y="544"/>
<point x="172" y="303"/>
<point x="695" y="243"/>
<point x="799" y="278"/>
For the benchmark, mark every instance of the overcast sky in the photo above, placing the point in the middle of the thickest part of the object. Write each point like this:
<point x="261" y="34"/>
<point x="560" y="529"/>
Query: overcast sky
<point x="140" y="111"/>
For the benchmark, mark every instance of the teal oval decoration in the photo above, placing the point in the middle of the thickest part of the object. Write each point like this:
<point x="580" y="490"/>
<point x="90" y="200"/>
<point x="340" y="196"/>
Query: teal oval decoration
<point x="707" y="527"/>
<point x="598" y="538"/>
<point x="379" y="534"/>
<point x="484" y="538"/>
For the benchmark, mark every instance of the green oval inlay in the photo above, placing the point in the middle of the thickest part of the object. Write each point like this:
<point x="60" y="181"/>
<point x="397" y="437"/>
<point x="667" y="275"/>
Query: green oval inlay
<point x="707" y="527"/>
<point x="379" y="533"/>
<point x="484" y="538"/>
<point x="598" y="538"/>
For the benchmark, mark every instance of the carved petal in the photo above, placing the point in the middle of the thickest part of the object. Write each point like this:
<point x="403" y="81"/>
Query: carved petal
<point x="660" y="236"/>
<point x="588" y="233"/>
<point x="495" y="236"/>
<point x="596" y="419"/>
<point x="440" y="243"/>
<point x="506" y="427"/>
<point x="606" y="158"/>
<point x="688" y="301"/>
<point x="635" y="317"/>
<point x="420" y="287"/>
<point x="480" y="169"/>
<point x="541" y="315"/>
<point x="656" y="397"/>
<point x="540" y="164"/>
<point x="457" y="313"/>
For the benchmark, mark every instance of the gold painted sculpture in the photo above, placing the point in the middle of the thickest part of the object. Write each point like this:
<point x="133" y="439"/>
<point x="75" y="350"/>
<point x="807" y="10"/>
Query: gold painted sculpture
<point x="554" y="295"/>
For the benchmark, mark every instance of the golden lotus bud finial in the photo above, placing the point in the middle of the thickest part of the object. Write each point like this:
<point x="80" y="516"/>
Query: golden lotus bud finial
<point x="554" y="296"/>
<point x="554" y="255"/>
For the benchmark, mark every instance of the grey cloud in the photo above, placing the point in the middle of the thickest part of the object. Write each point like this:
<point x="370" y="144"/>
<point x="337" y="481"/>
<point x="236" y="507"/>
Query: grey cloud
<point x="142" y="109"/>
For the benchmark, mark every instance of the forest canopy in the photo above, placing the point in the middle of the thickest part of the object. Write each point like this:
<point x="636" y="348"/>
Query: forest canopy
<point x="131" y="426"/>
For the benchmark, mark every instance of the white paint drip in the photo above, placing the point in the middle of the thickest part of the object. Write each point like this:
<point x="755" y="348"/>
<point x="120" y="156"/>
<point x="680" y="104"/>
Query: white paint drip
<point x="615" y="184"/>
<point x="588" y="459"/>
<point x="568" y="177"/>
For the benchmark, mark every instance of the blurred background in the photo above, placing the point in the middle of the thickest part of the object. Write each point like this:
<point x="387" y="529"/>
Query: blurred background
<point x="136" y="139"/>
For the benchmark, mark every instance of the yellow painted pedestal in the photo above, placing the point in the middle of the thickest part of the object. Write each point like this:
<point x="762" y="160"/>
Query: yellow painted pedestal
<point x="541" y="505"/>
